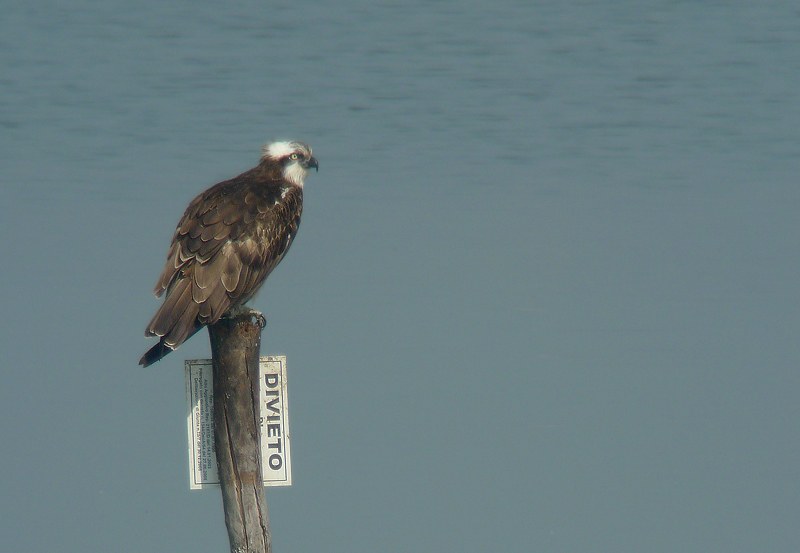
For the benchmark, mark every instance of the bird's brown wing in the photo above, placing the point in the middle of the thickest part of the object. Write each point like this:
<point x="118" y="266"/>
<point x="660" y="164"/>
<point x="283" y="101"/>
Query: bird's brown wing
<point x="228" y="241"/>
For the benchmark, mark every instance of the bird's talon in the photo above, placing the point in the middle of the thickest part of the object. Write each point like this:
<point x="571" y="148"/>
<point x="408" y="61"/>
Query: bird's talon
<point x="261" y="320"/>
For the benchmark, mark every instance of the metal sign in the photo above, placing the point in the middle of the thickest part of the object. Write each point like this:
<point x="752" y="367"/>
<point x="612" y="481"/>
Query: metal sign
<point x="274" y="415"/>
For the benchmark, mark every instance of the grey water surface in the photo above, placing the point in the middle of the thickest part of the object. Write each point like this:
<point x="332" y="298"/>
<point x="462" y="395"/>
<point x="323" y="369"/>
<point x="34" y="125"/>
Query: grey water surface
<point x="544" y="296"/>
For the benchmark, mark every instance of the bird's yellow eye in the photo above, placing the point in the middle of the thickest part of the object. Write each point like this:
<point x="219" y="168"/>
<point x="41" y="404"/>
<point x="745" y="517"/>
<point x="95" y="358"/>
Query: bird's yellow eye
<point x="293" y="156"/>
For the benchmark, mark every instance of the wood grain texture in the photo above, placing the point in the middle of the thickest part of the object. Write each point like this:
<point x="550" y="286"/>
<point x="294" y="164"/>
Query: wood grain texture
<point x="235" y="350"/>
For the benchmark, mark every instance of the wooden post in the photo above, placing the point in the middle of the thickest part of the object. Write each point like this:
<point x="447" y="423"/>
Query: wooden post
<point x="235" y="350"/>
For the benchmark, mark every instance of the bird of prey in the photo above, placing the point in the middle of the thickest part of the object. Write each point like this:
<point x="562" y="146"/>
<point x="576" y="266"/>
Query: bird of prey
<point x="226" y="244"/>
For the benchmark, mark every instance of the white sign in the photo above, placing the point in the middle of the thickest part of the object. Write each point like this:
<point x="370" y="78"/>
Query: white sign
<point x="274" y="419"/>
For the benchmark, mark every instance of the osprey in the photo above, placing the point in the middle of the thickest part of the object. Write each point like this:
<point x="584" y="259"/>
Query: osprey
<point x="229" y="240"/>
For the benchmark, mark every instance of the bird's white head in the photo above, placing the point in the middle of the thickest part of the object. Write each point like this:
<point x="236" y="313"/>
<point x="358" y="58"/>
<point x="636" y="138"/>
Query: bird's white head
<point x="295" y="157"/>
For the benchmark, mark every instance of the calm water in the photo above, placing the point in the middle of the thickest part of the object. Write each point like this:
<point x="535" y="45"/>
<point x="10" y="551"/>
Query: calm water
<point x="544" y="297"/>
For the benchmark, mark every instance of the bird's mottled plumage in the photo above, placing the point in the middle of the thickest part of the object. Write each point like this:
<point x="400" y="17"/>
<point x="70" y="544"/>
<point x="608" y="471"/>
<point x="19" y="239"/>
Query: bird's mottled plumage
<point x="226" y="244"/>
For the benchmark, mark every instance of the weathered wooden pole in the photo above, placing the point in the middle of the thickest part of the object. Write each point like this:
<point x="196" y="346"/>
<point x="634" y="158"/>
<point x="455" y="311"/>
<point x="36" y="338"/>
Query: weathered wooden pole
<point x="235" y="350"/>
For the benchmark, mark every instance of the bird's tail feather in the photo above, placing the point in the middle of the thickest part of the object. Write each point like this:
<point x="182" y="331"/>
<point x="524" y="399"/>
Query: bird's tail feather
<point x="155" y="353"/>
<point x="161" y="349"/>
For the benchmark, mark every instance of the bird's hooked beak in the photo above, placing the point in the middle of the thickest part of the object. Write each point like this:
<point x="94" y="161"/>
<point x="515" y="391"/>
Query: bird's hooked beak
<point x="312" y="162"/>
